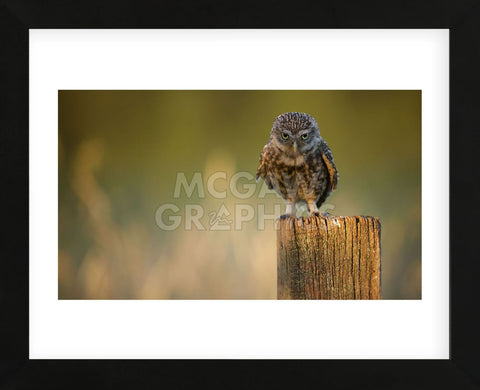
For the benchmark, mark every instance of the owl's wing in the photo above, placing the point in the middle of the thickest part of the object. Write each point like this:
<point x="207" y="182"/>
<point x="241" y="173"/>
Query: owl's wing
<point x="262" y="168"/>
<point x="327" y="157"/>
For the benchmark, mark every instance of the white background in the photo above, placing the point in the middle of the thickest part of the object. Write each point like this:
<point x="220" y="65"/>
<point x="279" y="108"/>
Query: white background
<point x="238" y="59"/>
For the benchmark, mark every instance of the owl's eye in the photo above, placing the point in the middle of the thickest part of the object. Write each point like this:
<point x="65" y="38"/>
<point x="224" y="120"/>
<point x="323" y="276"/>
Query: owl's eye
<point x="285" y="136"/>
<point x="305" y="136"/>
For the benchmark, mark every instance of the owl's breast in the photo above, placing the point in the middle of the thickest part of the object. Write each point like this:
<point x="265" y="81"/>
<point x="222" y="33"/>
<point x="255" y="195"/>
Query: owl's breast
<point x="300" y="178"/>
<point x="292" y="161"/>
<point x="311" y="179"/>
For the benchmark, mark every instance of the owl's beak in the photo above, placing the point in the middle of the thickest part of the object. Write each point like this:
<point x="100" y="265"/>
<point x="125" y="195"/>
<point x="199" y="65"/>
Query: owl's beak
<point x="295" y="147"/>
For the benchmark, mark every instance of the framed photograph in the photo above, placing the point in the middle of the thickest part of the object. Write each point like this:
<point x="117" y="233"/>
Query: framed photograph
<point x="239" y="196"/>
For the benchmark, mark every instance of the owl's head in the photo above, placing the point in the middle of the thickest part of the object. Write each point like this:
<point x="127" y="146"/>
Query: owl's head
<point x="295" y="133"/>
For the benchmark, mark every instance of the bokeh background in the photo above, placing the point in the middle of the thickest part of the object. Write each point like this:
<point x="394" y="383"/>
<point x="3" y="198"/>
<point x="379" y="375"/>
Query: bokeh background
<point x="119" y="155"/>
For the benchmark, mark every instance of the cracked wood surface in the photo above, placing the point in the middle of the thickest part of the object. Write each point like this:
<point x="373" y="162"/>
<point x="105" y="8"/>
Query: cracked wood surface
<point x="328" y="257"/>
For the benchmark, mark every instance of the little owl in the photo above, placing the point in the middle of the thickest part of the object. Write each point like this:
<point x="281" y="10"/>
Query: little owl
<point x="297" y="163"/>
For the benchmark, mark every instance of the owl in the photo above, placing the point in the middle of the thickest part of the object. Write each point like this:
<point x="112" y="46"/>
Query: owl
<point x="297" y="163"/>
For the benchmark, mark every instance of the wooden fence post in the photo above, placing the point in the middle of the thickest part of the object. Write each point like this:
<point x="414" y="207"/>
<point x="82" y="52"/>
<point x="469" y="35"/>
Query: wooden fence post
<point x="329" y="257"/>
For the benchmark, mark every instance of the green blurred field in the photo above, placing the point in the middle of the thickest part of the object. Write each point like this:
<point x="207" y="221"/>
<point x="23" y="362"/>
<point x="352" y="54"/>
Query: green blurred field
<point x="119" y="155"/>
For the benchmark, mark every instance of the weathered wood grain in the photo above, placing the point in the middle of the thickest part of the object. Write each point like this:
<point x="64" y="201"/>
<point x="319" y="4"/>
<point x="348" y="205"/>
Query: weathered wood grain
<point x="329" y="257"/>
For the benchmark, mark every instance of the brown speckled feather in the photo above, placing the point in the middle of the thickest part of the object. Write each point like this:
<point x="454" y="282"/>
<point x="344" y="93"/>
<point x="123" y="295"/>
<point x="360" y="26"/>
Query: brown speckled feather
<point x="327" y="158"/>
<point x="262" y="168"/>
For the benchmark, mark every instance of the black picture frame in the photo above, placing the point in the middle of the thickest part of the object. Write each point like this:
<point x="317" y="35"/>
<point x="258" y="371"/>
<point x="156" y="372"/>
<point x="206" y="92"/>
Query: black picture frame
<point x="461" y="17"/>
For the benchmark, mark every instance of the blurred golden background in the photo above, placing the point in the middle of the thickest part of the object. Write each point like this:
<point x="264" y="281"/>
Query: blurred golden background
<point x="120" y="153"/>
